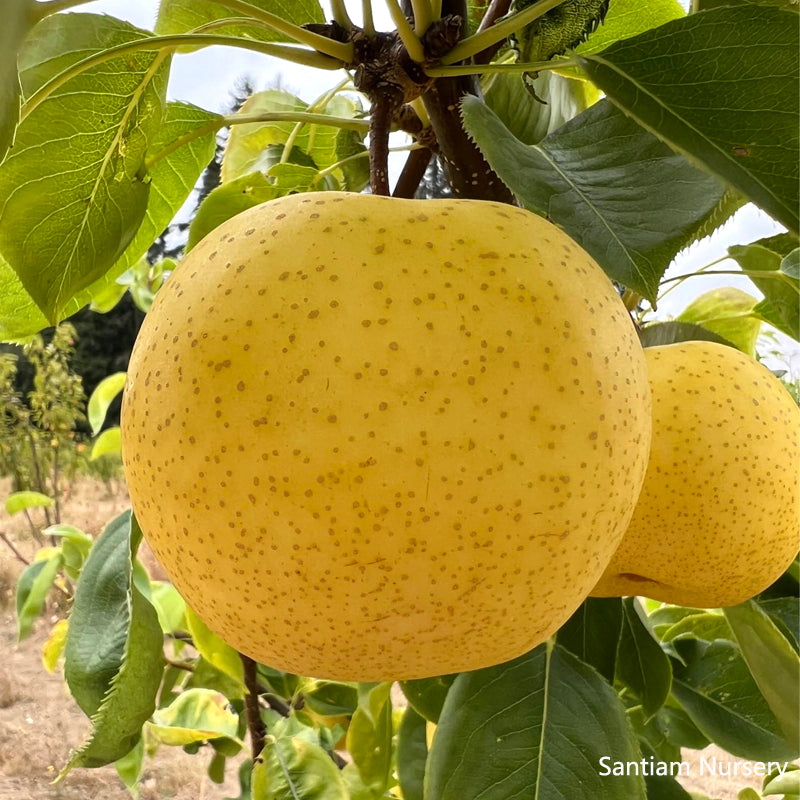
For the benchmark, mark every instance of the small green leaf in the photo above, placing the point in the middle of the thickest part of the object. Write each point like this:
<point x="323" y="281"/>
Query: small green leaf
<point x="251" y="147"/>
<point x="787" y="783"/>
<point x="412" y="753"/>
<point x="129" y="767"/>
<point x="772" y="661"/>
<point x="542" y="720"/>
<point x="707" y="626"/>
<point x="101" y="399"/>
<point x="196" y="715"/>
<point x="330" y="699"/>
<point x="623" y="195"/>
<point x="22" y="501"/>
<point x="781" y="304"/>
<point x="169" y="605"/>
<point x="245" y="777"/>
<point x="296" y="769"/>
<point x="657" y="334"/>
<point x="560" y="29"/>
<point x="32" y="589"/>
<point x="728" y="312"/>
<point x="785" y="610"/>
<point x="427" y="695"/>
<point x="369" y="737"/>
<point x="108" y="443"/>
<point x="641" y="663"/>
<point x="227" y="201"/>
<point x="718" y="692"/>
<point x="113" y="656"/>
<point x="721" y="86"/>
<point x="75" y="547"/>
<point x="592" y="633"/>
<point x="530" y="119"/>
<point x="213" y="649"/>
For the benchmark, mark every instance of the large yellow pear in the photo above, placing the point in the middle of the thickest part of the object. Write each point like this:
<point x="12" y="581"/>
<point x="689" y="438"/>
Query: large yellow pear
<point x="372" y="438"/>
<point x="717" y="520"/>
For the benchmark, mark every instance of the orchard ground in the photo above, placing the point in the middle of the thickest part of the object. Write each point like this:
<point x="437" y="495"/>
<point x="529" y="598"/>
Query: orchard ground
<point x="40" y="723"/>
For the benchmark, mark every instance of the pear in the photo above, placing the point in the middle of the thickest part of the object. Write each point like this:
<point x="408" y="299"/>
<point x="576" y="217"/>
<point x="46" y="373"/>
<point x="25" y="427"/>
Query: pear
<point x="372" y="438"/>
<point x="717" y="519"/>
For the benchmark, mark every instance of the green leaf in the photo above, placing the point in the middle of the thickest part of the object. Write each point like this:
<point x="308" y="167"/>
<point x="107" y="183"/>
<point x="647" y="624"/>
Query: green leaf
<point x="641" y="663"/>
<point x="781" y="304"/>
<point x="728" y="312"/>
<point x="559" y="29"/>
<point x="721" y="86"/>
<point x="109" y="442"/>
<point x="227" y="201"/>
<point x="113" y="656"/>
<point x="786" y="783"/>
<point x="772" y="661"/>
<point x="790" y="265"/>
<point x="369" y="737"/>
<point x="68" y="211"/>
<point x="592" y="633"/>
<point x="101" y="399"/>
<point x="213" y="649"/>
<point x="627" y="18"/>
<point x="718" y="692"/>
<point x="557" y="100"/>
<point x="296" y="769"/>
<point x="129" y="767"/>
<point x="785" y="610"/>
<point x="331" y="699"/>
<point x="75" y="547"/>
<point x="196" y="715"/>
<point x="534" y="727"/>
<point x="707" y="626"/>
<point x="22" y="501"/>
<point x="412" y="752"/>
<point x="663" y="787"/>
<point x="657" y="334"/>
<point x="427" y="695"/>
<point x="623" y="195"/>
<point x="33" y="587"/>
<point x="171" y="180"/>
<point x="181" y="16"/>
<point x="12" y="33"/>
<point x="245" y="776"/>
<point x="169" y="605"/>
<point x="207" y="676"/>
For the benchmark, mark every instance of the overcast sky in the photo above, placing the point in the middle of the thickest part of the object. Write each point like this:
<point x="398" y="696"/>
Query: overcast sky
<point x="206" y="78"/>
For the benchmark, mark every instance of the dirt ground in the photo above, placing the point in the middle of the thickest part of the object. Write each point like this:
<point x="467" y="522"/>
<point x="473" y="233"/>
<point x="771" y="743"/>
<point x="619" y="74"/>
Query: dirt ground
<point x="40" y="723"/>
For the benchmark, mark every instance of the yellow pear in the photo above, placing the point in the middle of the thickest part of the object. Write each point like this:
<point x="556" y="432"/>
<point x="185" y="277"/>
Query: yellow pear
<point x="372" y="438"/>
<point x="717" y="519"/>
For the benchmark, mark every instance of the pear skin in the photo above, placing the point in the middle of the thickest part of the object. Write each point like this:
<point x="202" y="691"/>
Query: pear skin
<point x="373" y="439"/>
<point x="717" y="519"/>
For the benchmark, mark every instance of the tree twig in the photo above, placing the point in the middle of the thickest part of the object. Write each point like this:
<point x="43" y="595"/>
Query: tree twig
<point x="256" y="726"/>
<point x="496" y="10"/>
<point x="384" y="106"/>
<point x="14" y="550"/>
<point x="413" y="172"/>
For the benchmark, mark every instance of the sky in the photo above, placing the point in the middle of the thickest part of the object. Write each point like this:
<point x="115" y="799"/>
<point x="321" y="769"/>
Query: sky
<point x="206" y="78"/>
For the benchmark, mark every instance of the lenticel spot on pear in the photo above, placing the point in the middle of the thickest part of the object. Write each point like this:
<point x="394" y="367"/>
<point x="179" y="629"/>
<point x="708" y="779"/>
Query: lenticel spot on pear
<point x="371" y="438"/>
